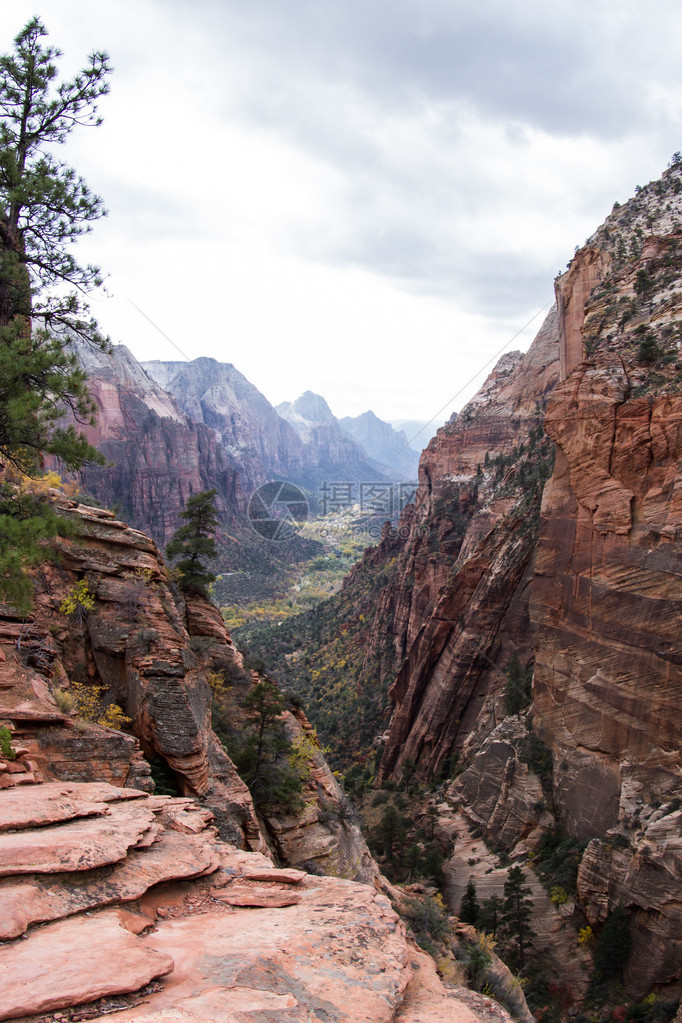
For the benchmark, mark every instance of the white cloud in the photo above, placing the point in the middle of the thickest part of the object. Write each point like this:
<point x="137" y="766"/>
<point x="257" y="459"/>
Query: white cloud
<point x="360" y="199"/>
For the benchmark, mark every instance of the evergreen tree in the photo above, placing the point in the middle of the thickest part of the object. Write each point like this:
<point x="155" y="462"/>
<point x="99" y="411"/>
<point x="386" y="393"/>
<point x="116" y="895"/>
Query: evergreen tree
<point x="391" y="830"/>
<point x="490" y="913"/>
<point x="412" y="859"/>
<point x="194" y="542"/>
<point x="469" y="908"/>
<point x="517" y="911"/>
<point x="44" y="208"/>
<point x="432" y="867"/>
<point x="262" y="759"/>
<point x="44" y="205"/>
<point x="613" y="947"/>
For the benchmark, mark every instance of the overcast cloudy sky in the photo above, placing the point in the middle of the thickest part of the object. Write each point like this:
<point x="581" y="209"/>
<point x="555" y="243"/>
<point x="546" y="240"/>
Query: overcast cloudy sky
<point x="364" y="198"/>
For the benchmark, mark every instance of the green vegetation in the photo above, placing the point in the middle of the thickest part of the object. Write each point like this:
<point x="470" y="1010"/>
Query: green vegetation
<point x="28" y="522"/>
<point x="428" y="919"/>
<point x="255" y="738"/>
<point x="6" y="748"/>
<point x="538" y="756"/>
<point x="517" y="691"/>
<point x="490" y="915"/>
<point x="325" y="658"/>
<point x="332" y="546"/>
<point x="516" y="913"/>
<point x="613" y="945"/>
<point x="469" y="909"/>
<point x="557" y="860"/>
<point x="44" y="207"/>
<point x="399" y="831"/>
<point x="194" y="543"/>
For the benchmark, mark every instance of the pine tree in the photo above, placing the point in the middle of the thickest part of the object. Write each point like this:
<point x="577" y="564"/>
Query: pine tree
<point x="432" y="867"/>
<point x="613" y="947"/>
<point x="194" y="542"/>
<point x="44" y="205"/>
<point x="489" y="916"/>
<point x="44" y="208"/>
<point x="469" y="908"/>
<point x="391" y="830"/>
<point x="517" y="911"/>
<point x="262" y="758"/>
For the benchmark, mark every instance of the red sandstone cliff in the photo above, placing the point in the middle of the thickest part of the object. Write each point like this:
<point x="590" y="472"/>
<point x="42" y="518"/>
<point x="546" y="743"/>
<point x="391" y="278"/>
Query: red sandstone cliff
<point x="469" y="554"/>
<point x="154" y="654"/>
<point x="157" y="456"/>
<point x="586" y="588"/>
<point x="600" y="580"/>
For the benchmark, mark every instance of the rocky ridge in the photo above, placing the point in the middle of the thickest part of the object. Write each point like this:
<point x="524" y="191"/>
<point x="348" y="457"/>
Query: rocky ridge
<point x="597" y="576"/>
<point x="198" y="929"/>
<point x="384" y="443"/>
<point x="135" y="647"/>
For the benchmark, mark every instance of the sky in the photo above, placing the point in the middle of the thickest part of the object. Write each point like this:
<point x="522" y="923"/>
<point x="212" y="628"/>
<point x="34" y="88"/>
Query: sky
<point x="369" y="199"/>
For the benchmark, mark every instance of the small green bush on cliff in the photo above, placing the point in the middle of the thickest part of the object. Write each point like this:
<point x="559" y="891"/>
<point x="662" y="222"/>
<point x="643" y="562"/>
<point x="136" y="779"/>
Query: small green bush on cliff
<point x="6" y="748"/>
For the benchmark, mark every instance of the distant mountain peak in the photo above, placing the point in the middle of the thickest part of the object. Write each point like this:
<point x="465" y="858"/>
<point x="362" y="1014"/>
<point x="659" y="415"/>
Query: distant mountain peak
<point x="309" y="406"/>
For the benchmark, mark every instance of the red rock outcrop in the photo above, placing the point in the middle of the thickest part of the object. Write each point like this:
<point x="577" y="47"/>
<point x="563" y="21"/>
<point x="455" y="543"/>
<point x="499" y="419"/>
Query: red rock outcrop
<point x="469" y="556"/>
<point x="138" y="648"/>
<point x="607" y="595"/>
<point x="234" y="939"/>
<point x="604" y="580"/>
<point x="573" y="289"/>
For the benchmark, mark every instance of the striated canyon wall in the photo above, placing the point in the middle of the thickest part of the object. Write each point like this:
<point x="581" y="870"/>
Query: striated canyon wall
<point x="157" y="456"/>
<point x="587" y="588"/>
<point x="469" y="556"/>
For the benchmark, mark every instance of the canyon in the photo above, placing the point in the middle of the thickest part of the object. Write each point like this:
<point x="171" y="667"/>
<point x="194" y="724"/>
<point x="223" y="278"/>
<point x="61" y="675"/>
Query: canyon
<point x="187" y="893"/>
<point x="544" y="541"/>
<point x="546" y="533"/>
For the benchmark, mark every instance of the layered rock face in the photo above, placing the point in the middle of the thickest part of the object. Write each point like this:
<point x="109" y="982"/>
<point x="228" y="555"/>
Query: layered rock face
<point x="158" y="457"/>
<point x="255" y="438"/>
<point x="600" y="579"/>
<point x="138" y="648"/>
<point x="131" y="648"/>
<point x="131" y="904"/>
<point x="607" y="597"/>
<point x="468" y="557"/>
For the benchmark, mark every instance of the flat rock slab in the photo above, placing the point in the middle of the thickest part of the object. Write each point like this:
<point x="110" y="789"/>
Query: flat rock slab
<point x="53" y="802"/>
<point x="339" y="955"/>
<point x="78" y="845"/>
<point x="285" y="875"/>
<point x="75" y="961"/>
<point x="242" y="895"/>
<point x="173" y="857"/>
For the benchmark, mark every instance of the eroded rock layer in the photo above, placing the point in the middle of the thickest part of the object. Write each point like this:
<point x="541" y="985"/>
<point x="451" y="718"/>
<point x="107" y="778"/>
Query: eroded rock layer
<point x="153" y="654"/>
<point x="230" y="937"/>
<point x="469" y="556"/>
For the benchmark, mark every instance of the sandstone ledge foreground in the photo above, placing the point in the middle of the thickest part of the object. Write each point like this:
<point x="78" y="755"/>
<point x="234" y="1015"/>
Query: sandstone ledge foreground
<point x="226" y="937"/>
